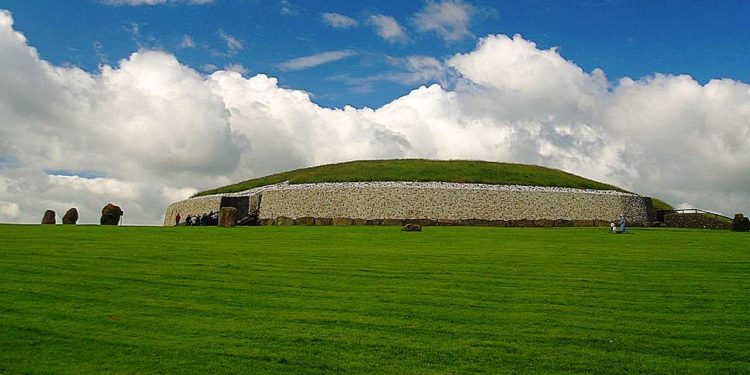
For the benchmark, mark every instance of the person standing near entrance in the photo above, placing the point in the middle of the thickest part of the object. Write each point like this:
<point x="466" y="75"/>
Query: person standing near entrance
<point x="177" y="219"/>
<point x="622" y="223"/>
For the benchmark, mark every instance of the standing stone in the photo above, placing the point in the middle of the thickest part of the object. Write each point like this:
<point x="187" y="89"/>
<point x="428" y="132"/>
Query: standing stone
<point x="49" y="217"/>
<point x="70" y="217"/>
<point x="111" y="215"/>
<point x="227" y="217"/>
<point x="740" y="223"/>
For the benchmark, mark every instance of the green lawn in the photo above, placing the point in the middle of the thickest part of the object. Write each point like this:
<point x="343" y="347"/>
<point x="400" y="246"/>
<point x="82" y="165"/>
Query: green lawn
<point x="455" y="300"/>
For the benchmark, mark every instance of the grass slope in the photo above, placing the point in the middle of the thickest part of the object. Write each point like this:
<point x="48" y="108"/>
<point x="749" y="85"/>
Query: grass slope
<point x="424" y="170"/>
<point x="321" y="300"/>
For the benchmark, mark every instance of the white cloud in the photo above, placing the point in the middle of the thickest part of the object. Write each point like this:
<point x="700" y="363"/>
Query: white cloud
<point x="288" y="9"/>
<point x="233" y="44"/>
<point x="339" y="21"/>
<point x="239" y="68"/>
<point x="413" y="70"/>
<point x="305" y="62"/>
<point x="388" y="28"/>
<point x="158" y="130"/>
<point x="153" y="2"/>
<point x="187" y="42"/>
<point x="450" y="19"/>
<point x="9" y="211"/>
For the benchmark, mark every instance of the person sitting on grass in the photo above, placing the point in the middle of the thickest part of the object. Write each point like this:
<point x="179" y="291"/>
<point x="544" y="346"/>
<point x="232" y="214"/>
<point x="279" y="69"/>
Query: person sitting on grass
<point x="614" y="229"/>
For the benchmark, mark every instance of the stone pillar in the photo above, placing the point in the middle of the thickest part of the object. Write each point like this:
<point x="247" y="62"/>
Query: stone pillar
<point x="49" y="217"/>
<point x="71" y="217"/>
<point x="227" y="217"/>
<point x="740" y="223"/>
<point x="111" y="215"/>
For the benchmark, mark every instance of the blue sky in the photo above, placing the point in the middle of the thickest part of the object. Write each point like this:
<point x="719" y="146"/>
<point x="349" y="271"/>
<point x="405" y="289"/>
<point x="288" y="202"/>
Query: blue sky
<point x="145" y="102"/>
<point x="624" y="38"/>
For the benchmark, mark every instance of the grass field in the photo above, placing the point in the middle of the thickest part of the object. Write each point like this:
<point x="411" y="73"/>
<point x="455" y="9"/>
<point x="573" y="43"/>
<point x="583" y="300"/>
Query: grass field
<point x="201" y="300"/>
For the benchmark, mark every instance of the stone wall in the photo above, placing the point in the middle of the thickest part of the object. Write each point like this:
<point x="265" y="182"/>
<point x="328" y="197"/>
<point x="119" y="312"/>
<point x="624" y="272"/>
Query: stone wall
<point x="695" y="220"/>
<point x="396" y="202"/>
<point x="192" y="206"/>
<point x="445" y="202"/>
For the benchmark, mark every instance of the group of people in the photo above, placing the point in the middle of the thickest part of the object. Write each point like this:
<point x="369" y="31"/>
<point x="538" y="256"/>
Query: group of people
<point x="211" y="218"/>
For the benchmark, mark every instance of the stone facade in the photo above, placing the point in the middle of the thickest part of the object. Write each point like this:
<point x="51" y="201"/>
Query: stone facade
<point x="438" y="203"/>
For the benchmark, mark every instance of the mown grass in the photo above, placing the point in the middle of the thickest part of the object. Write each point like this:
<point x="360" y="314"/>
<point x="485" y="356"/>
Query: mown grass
<point x="319" y="300"/>
<point x="463" y="171"/>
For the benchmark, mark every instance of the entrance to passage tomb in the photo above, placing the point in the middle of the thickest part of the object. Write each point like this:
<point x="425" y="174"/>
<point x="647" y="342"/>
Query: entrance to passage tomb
<point x="242" y="204"/>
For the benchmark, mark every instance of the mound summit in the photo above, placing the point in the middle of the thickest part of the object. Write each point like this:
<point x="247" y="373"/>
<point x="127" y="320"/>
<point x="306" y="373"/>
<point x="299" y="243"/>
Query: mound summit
<point x="430" y="192"/>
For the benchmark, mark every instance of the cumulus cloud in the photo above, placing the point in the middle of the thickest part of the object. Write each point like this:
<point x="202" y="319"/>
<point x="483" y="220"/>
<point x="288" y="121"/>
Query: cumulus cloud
<point x="153" y="2"/>
<point x="157" y="131"/>
<point x="450" y="19"/>
<point x="388" y="28"/>
<point x="311" y="61"/>
<point x="338" y="21"/>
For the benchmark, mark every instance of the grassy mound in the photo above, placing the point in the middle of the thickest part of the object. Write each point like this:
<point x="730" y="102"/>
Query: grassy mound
<point x="463" y="171"/>
<point x="372" y="300"/>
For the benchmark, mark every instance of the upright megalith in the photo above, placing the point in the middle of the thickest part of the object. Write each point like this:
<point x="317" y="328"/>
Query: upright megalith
<point x="71" y="216"/>
<point x="740" y="223"/>
<point x="227" y="217"/>
<point x="111" y="215"/>
<point x="49" y="217"/>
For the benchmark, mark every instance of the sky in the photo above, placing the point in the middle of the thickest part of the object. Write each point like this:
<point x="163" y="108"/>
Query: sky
<point x="145" y="102"/>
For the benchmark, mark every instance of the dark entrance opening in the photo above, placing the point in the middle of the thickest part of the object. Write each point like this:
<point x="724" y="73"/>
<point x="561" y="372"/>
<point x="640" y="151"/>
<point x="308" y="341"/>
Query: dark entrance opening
<point x="242" y="204"/>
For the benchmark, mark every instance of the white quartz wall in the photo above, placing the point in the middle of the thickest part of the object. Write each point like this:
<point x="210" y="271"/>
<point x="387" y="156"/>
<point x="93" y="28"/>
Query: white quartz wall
<point x="429" y="200"/>
<point x="449" y="203"/>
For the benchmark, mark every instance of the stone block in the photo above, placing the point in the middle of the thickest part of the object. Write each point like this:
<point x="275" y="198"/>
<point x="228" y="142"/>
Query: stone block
<point x="283" y="220"/>
<point x="449" y="223"/>
<point x="342" y="221"/>
<point x="422" y="222"/>
<point x="475" y="222"/>
<point x="390" y="222"/>
<point x="267" y="222"/>
<point x="324" y="221"/>
<point x="496" y="223"/>
<point x="411" y="227"/>
<point x="544" y="223"/>
<point x="583" y="223"/>
<point x="305" y="220"/>
<point x="359" y="222"/>
<point x="563" y="223"/>
<point x="521" y="223"/>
